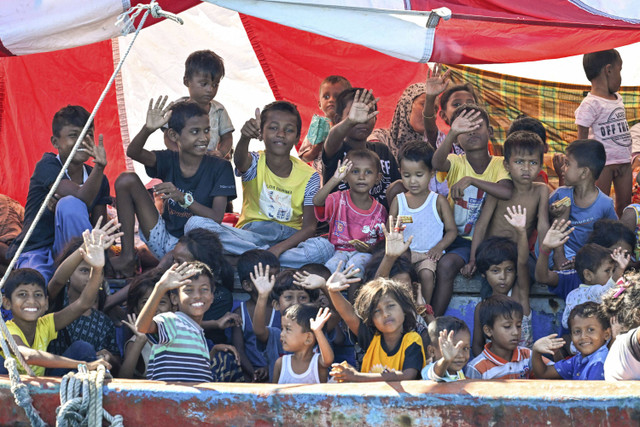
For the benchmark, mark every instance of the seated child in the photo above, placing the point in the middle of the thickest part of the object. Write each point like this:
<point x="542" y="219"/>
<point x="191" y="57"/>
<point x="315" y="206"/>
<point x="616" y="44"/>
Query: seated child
<point x="502" y="358"/>
<point x="424" y="214"/>
<point x="590" y="332"/>
<point x="631" y="219"/>
<point x="25" y="295"/>
<point x="355" y="118"/>
<point x="277" y="208"/>
<point x="524" y="122"/>
<point x="450" y="347"/>
<point x="355" y="218"/>
<point x="300" y="334"/>
<point x="601" y="116"/>
<point x="471" y="176"/>
<point x="80" y="199"/>
<point x="585" y="161"/>
<point x="180" y="351"/>
<point x="195" y="185"/>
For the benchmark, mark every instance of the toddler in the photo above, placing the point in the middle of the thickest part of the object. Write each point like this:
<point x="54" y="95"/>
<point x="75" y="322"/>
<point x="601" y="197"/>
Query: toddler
<point x="450" y="347"/>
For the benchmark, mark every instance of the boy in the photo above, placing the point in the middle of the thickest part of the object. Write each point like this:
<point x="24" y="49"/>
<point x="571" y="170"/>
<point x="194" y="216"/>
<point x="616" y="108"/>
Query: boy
<point x="194" y="184"/>
<point x="277" y="208"/>
<point x="581" y="202"/>
<point x="25" y="295"/>
<point x="80" y="199"/>
<point x="523" y="154"/>
<point x="180" y="351"/>
<point x="502" y="358"/>
<point x="524" y="122"/>
<point x="355" y="118"/>
<point x="470" y="176"/>
<point x="426" y="215"/>
<point x="601" y="116"/>
<point x="203" y="71"/>
<point x="450" y="348"/>
<point x="590" y="331"/>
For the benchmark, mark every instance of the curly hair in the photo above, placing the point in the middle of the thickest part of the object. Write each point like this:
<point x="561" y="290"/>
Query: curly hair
<point x="623" y="306"/>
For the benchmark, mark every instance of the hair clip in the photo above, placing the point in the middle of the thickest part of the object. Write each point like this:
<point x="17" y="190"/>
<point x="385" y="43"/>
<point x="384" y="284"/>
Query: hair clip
<point x="621" y="287"/>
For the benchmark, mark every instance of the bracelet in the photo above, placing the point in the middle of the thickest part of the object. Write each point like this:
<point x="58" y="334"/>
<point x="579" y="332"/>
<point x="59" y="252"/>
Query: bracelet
<point x="188" y="200"/>
<point x="429" y="117"/>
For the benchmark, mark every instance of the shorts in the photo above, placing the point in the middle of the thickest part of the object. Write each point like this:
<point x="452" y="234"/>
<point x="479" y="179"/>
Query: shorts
<point x="160" y="241"/>
<point x="461" y="247"/>
<point x="421" y="262"/>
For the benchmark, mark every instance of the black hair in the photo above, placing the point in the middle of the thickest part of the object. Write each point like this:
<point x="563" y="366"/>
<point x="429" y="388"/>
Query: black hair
<point x="417" y="151"/>
<point x="205" y="246"/>
<point x="251" y="258"/>
<point x="371" y="293"/>
<point x="302" y="315"/>
<point x="594" y="62"/>
<point x="365" y="154"/>
<point x="347" y="96"/>
<point x="334" y="79"/>
<point x="401" y="265"/>
<point x="444" y="98"/>
<point x="73" y="115"/>
<point x="183" y="111"/>
<point x="523" y="141"/>
<point x="590" y="257"/>
<point x="524" y="122"/>
<point x="284" y="282"/>
<point x="442" y="323"/>
<point x="469" y="107"/>
<point x="588" y="153"/>
<point x="317" y="269"/>
<point x="607" y="232"/>
<point x="140" y="285"/>
<point x="204" y="61"/>
<point x="203" y="269"/>
<point x="23" y="276"/>
<point x="624" y="305"/>
<point x="284" y="106"/>
<point x="589" y="309"/>
<point x="495" y="250"/>
<point x="498" y="306"/>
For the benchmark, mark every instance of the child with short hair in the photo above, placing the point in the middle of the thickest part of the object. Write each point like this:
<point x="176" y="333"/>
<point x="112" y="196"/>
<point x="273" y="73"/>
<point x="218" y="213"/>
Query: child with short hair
<point x="194" y="185"/>
<point x="585" y="162"/>
<point x="355" y="218"/>
<point x="531" y="124"/>
<point x="301" y="331"/>
<point x="80" y="199"/>
<point x="471" y="176"/>
<point x="601" y="116"/>
<point x="590" y="332"/>
<point x="449" y="349"/>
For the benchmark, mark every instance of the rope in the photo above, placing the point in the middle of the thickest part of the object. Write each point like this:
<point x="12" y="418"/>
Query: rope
<point x="20" y="391"/>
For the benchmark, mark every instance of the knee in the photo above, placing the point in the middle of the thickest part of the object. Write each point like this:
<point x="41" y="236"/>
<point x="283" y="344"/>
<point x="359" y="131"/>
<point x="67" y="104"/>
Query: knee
<point x="81" y="350"/>
<point x="204" y="223"/>
<point x="448" y="266"/>
<point x="126" y="180"/>
<point x="70" y="205"/>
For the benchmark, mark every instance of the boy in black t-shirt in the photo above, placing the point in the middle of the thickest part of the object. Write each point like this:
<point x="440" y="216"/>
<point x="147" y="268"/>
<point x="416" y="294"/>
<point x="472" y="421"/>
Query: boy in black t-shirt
<point x="79" y="201"/>
<point x="194" y="184"/>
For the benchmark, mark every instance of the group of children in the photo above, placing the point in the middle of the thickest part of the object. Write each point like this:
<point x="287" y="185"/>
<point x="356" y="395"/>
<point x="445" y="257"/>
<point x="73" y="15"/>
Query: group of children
<point x="348" y="270"/>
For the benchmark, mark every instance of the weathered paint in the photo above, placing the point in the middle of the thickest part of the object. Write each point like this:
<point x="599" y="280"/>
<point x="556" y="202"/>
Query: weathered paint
<point x="410" y="403"/>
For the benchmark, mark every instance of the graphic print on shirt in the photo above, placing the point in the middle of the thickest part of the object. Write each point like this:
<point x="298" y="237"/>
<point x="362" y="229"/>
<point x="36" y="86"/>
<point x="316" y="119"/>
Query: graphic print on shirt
<point x="615" y="129"/>
<point x="275" y="203"/>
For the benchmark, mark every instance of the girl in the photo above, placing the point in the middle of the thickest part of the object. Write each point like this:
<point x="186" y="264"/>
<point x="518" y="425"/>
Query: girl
<point x="384" y="320"/>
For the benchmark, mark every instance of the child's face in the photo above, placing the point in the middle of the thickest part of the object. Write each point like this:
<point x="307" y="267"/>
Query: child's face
<point x="477" y="139"/>
<point x="202" y="88"/>
<point x="64" y="143"/>
<point x="463" y="357"/>
<point x="163" y="307"/>
<point x="588" y="335"/>
<point x="415" y="119"/>
<point x="280" y="132"/>
<point x="363" y="175"/>
<point x="573" y="173"/>
<point x="78" y="280"/>
<point x="505" y="332"/>
<point x="328" y="94"/>
<point x="194" y="137"/>
<point x="501" y="277"/>
<point x="458" y="98"/>
<point x="181" y="254"/>
<point x="195" y="298"/>
<point x="28" y="302"/>
<point x="361" y="131"/>
<point x="388" y="316"/>
<point x="415" y="176"/>
<point x="293" y="337"/>
<point x="601" y="275"/>
<point x="523" y="167"/>
<point x="291" y="297"/>
<point x="614" y="80"/>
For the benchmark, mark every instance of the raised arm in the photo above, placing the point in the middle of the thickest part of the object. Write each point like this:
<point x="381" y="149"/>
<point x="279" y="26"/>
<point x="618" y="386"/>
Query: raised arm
<point x="341" y="172"/>
<point x="250" y="130"/>
<point x="326" y="352"/>
<point x="340" y="281"/>
<point x="157" y="116"/>
<point x="263" y="283"/>
<point x="517" y="217"/>
<point x="557" y="236"/>
<point x="437" y="82"/>
<point x="543" y="212"/>
<point x="394" y="246"/>
<point x="88" y="191"/>
<point x="466" y="122"/>
<point x="545" y="345"/>
<point x="479" y="232"/>
<point x="449" y="352"/>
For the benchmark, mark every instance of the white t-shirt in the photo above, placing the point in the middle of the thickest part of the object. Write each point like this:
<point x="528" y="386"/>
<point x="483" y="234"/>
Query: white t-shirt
<point x="623" y="361"/>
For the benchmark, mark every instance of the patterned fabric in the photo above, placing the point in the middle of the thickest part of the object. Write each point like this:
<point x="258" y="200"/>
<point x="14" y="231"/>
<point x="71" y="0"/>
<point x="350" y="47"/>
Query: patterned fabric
<point x="96" y="329"/>
<point x="225" y="368"/>
<point x="11" y="219"/>
<point x="488" y="365"/>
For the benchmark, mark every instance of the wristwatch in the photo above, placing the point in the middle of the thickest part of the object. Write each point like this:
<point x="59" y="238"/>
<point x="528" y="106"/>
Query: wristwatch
<point x="188" y="200"/>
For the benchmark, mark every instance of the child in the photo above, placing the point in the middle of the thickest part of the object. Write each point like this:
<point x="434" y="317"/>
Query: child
<point x="300" y="334"/>
<point x="180" y="351"/>
<point x="523" y="158"/>
<point x="253" y="361"/>
<point x="25" y="295"/>
<point x="585" y="161"/>
<point x="311" y="147"/>
<point x="194" y="184"/>
<point x="355" y="218"/>
<point x="503" y="265"/>
<point x="424" y="214"/>
<point x="203" y="71"/>
<point x="450" y="346"/>
<point x="601" y="116"/>
<point x="384" y="320"/>
<point x="355" y="119"/>
<point x="80" y="199"/>
<point x="590" y="332"/>
<point x="524" y="122"/>
<point x="470" y="176"/>
<point x="277" y="208"/>
<point x="502" y="358"/>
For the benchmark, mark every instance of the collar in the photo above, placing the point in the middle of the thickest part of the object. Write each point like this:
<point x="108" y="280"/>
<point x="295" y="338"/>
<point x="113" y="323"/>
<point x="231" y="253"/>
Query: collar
<point x="85" y="175"/>
<point x="515" y="356"/>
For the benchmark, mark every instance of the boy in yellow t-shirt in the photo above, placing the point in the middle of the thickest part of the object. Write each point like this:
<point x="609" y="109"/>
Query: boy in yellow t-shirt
<point x="470" y="176"/>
